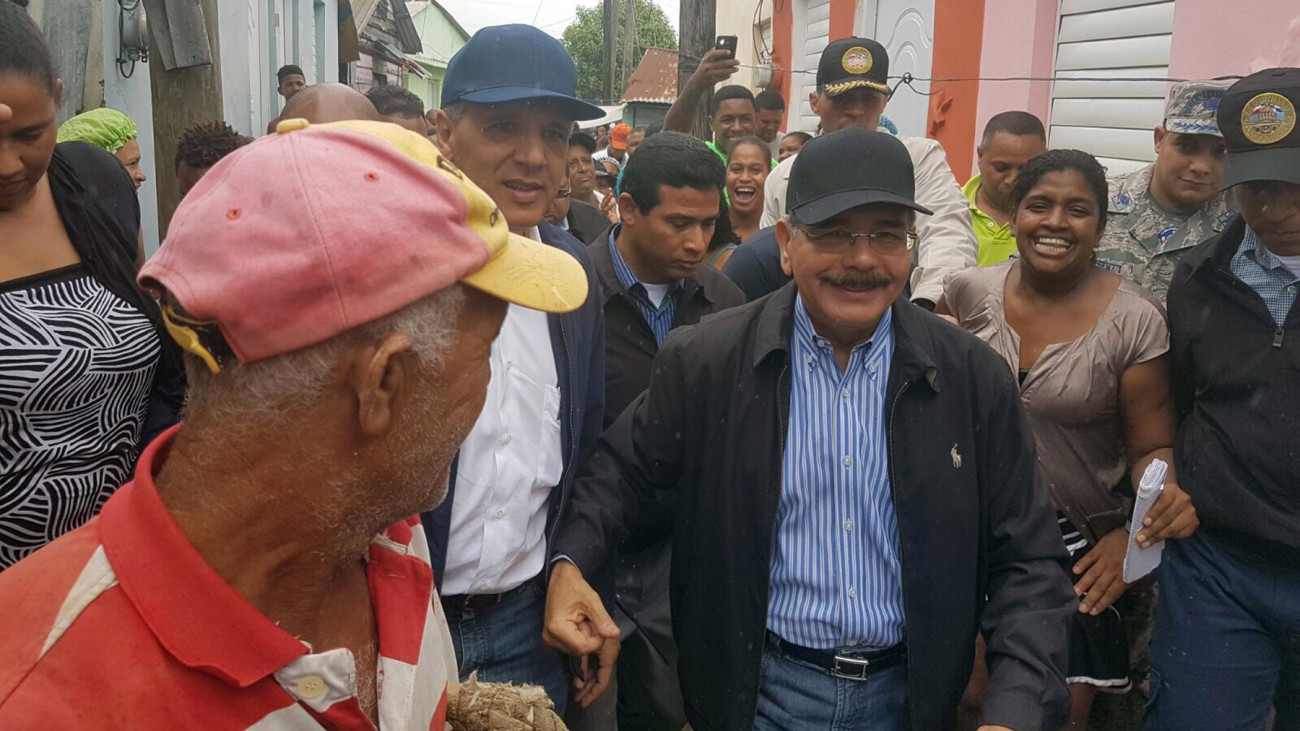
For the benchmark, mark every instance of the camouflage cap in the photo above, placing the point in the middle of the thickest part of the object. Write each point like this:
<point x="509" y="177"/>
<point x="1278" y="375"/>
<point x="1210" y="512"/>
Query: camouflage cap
<point x="1193" y="107"/>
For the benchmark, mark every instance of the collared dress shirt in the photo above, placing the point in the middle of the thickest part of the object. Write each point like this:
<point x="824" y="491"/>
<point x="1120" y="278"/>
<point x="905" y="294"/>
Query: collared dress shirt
<point x="122" y="624"/>
<point x="835" y="575"/>
<point x="658" y="315"/>
<point x="508" y="465"/>
<point x="1265" y="273"/>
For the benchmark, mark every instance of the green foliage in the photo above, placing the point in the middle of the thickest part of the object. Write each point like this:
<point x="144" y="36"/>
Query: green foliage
<point x="585" y="39"/>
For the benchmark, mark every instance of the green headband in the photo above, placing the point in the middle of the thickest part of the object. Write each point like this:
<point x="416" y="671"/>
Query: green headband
<point x="107" y="129"/>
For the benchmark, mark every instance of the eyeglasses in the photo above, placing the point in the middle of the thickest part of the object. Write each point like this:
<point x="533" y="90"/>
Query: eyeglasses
<point x="838" y="241"/>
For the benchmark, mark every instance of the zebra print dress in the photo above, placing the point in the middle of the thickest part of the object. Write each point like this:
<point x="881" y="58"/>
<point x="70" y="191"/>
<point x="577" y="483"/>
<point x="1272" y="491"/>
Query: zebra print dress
<point x="76" y="366"/>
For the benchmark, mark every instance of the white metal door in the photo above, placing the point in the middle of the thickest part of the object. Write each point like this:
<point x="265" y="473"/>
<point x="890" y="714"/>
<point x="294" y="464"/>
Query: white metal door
<point x="1111" y="39"/>
<point x="812" y="23"/>
<point x="906" y="29"/>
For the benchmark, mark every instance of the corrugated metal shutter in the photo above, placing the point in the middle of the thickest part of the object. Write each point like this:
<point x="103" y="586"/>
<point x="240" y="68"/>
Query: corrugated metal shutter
<point x="818" y="18"/>
<point x="1110" y="39"/>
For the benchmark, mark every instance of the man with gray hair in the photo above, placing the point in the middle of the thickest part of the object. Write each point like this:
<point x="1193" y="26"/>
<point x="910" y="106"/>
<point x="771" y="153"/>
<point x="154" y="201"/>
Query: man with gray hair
<point x="1158" y="213"/>
<point x="266" y="567"/>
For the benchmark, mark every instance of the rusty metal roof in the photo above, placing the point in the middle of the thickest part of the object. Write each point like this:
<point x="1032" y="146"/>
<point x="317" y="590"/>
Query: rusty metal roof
<point x="655" y="79"/>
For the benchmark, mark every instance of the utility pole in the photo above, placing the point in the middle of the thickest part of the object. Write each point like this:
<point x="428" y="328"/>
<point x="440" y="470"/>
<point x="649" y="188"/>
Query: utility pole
<point x="698" y="23"/>
<point x="609" y="50"/>
<point x="629" y="43"/>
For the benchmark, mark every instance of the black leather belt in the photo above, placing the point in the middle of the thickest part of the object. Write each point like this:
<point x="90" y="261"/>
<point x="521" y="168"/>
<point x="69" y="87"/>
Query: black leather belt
<point x="476" y="603"/>
<point x="848" y="664"/>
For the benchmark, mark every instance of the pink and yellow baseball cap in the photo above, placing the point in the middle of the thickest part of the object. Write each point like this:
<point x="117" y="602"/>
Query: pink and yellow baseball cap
<point x="318" y="229"/>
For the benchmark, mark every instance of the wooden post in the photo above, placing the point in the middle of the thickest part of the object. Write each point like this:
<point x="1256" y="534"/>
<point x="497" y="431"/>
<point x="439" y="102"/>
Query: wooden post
<point x="629" y="44"/>
<point x="180" y="98"/>
<point x="608" y="26"/>
<point x="698" y="21"/>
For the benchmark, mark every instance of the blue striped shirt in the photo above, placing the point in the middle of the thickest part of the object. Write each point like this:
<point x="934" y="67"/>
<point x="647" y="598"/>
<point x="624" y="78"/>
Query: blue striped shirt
<point x="835" y="573"/>
<point x="659" y="318"/>
<point x="1257" y="267"/>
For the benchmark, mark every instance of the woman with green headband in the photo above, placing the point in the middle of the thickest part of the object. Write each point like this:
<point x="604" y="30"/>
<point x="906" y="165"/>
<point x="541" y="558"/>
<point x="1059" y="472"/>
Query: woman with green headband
<point x="111" y="131"/>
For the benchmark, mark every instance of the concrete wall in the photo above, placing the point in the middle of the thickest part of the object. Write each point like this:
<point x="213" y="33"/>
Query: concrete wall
<point x="1211" y="39"/>
<point x="1018" y="40"/>
<point x="133" y="98"/>
<point x="736" y="18"/>
<point x="309" y="38"/>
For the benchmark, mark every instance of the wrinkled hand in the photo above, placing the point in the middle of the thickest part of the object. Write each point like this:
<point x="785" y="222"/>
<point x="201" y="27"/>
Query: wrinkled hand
<point x="1173" y="516"/>
<point x="597" y="672"/>
<point x="716" y="66"/>
<point x="576" y="621"/>
<point x="1103" y="573"/>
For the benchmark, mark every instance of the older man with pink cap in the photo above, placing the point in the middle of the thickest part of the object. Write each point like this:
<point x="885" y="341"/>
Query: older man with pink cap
<point x="265" y="569"/>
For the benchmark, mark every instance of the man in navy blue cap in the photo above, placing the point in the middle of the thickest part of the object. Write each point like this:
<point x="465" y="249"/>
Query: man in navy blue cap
<point x="508" y="105"/>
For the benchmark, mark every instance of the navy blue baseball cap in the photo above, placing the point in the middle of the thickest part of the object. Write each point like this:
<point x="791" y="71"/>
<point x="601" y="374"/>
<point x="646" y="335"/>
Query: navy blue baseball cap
<point x="512" y="63"/>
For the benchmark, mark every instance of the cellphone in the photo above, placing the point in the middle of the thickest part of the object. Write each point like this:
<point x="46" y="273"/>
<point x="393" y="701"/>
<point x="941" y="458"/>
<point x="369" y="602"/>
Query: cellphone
<point x="728" y="44"/>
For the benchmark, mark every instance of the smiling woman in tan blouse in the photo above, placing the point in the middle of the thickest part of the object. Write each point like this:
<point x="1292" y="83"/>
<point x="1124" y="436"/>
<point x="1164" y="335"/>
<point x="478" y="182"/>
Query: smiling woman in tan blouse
<point x="1090" y="351"/>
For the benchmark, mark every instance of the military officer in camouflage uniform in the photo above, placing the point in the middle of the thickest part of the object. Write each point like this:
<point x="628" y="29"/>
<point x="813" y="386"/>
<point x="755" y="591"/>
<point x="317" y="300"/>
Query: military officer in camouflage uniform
<point x="1159" y="212"/>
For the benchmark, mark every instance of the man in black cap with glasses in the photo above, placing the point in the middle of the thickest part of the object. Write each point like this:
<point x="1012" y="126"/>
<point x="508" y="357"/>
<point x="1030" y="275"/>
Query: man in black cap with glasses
<point x="849" y="487"/>
<point x="1224" y="654"/>
<point x="852" y="91"/>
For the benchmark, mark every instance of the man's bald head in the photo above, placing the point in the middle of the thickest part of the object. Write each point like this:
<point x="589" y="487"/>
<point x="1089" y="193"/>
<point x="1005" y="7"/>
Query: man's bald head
<point x="321" y="103"/>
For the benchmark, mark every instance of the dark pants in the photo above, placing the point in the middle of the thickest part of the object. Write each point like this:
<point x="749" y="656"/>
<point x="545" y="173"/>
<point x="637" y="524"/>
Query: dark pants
<point x="1226" y="649"/>
<point x="797" y="695"/>
<point x="504" y="644"/>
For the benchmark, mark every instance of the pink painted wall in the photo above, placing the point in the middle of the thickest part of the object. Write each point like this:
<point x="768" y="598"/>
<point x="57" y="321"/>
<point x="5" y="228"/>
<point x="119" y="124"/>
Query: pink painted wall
<point x="1211" y="39"/>
<point x="1019" y="40"/>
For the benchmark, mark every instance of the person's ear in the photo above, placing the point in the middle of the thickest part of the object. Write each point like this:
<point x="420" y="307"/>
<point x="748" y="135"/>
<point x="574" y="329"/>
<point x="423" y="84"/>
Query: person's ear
<point x="58" y="92"/>
<point x="627" y="209"/>
<point x="783" y="237"/>
<point x="1158" y="135"/>
<point x="378" y="376"/>
<point x="444" y="128"/>
<point x="814" y="101"/>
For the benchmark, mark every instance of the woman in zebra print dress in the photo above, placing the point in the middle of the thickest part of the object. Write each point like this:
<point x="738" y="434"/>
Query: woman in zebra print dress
<point x="81" y="357"/>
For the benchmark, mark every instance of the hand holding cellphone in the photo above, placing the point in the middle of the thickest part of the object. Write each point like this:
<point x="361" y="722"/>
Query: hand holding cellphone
<point x="728" y="44"/>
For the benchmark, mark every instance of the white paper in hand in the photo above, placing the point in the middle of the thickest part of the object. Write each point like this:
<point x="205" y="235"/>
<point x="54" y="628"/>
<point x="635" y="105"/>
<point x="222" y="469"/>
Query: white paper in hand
<point x="1138" y="561"/>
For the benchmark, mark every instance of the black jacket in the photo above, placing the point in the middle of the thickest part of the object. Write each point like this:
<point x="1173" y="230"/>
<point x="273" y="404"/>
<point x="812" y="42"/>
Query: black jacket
<point x="586" y="222"/>
<point x="1236" y="379"/>
<point x="578" y="343"/>
<point x="980" y="547"/>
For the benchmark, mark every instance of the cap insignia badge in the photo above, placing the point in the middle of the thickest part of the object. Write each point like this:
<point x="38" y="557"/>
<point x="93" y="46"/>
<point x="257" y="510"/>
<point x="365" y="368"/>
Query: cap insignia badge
<point x="857" y="60"/>
<point x="1268" y="118"/>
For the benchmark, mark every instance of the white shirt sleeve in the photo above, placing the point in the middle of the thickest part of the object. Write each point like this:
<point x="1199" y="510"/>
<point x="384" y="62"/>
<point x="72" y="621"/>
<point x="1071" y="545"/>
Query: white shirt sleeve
<point x="947" y="240"/>
<point x="774" y="193"/>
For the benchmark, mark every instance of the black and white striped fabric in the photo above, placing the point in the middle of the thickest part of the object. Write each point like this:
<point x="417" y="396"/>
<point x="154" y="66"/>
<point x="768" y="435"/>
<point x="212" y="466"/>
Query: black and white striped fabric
<point x="76" y="366"/>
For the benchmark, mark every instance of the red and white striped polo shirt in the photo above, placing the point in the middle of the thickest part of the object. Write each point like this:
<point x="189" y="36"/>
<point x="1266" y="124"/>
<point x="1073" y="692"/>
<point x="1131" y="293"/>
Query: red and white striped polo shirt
<point x="122" y="624"/>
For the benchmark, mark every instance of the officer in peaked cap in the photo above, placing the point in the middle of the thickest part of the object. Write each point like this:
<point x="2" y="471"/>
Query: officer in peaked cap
<point x="1159" y="212"/>
<point x="1223" y="654"/>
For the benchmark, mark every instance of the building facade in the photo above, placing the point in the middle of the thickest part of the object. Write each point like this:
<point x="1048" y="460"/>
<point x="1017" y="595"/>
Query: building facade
<point x="441" y="36"/>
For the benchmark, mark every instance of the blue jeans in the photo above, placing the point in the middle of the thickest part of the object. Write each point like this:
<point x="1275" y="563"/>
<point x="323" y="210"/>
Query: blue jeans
<point x="504" y="644"/>
<point x="1226" y="649"/>
<point x="796" y="695"/>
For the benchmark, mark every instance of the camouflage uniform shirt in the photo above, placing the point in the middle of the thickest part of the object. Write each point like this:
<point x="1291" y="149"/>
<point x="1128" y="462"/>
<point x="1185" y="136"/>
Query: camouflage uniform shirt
<point x="1143" y="242"/>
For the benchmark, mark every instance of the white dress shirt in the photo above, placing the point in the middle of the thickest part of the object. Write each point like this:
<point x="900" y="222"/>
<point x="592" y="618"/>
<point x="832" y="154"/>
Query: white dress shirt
<point x="508" y="465"/>
<point x="947" y="240"/>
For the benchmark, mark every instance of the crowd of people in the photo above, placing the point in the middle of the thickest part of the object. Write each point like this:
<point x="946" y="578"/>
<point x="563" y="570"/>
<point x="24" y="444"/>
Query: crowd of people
<point x="484" y="417"/>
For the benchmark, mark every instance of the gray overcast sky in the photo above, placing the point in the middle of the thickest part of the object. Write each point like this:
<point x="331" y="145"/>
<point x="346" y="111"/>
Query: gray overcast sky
<point x="552" y="16"/>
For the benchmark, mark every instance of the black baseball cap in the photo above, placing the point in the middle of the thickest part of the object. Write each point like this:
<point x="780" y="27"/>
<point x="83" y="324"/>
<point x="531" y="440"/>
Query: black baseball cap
<point x="852" y="63"/>
<point x="586" y="141"/>
<point x="513" y="63"/>
<point x="1258" y="119"/>
<point x="849" y="168"/>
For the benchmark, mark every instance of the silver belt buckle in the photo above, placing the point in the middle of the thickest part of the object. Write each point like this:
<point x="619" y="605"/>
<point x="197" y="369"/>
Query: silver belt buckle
<point x="851" y="668"/>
